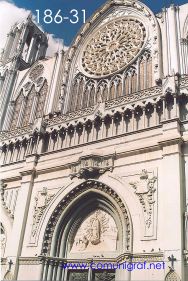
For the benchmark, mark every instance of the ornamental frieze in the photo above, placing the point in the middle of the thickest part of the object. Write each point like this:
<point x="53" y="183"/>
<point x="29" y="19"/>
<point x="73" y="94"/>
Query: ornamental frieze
<point x="92" y="166"/>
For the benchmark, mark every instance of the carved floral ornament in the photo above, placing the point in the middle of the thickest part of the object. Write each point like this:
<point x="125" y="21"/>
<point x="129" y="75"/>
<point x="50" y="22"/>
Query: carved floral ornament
<point x="42" y="200"/>
<point x="145" y="190"/>
<point x="113" y="47"/>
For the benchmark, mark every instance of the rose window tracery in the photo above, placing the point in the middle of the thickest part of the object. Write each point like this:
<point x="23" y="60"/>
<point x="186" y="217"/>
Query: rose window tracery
<point x="113" y="47"/>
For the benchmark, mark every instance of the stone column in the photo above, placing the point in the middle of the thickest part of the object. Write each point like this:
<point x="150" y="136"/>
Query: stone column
<point x="133" y="120"/>
<point x="164" y="108"/>
<point x="112" y="129"/>
<point x="144" y="117"/>
<point x="155" y="114"/>
<point x="176" y="107"/>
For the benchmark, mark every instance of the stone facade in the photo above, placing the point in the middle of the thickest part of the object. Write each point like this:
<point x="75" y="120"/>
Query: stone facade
<point x="94" y="148"/>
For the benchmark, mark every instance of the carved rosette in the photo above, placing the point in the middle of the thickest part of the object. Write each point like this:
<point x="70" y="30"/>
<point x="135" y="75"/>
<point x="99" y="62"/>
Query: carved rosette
<point x="145" y="190"/>
<point x="91" y="166"/>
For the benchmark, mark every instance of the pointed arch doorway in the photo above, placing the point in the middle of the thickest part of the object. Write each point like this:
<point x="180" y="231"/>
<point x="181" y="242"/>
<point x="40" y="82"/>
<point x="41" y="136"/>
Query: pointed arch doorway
<point x="88" y="234"/>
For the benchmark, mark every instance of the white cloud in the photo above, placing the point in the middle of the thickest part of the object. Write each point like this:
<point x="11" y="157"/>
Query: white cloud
<point x="10" y="14"/>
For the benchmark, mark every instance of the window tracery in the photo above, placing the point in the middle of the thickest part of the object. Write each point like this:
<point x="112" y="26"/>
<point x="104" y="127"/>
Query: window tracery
<point x="113" y="47"/>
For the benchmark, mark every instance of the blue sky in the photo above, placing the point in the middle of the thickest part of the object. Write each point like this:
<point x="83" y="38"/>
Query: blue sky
<point x="67" y="30"/>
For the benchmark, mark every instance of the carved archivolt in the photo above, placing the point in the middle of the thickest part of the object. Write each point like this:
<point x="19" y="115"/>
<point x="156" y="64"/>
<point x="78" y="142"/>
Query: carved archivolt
<point x="113" y="47"/>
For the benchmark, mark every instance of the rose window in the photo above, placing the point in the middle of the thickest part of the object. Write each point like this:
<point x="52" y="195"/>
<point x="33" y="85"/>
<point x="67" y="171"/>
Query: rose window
<point x="113" y="47"/>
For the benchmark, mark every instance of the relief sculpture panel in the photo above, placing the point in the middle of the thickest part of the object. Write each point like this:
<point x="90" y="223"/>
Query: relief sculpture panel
<point x="98" y="232"/>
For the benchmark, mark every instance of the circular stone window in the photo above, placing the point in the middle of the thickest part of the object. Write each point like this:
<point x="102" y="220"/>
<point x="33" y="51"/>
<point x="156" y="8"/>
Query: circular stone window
<point x="114" y="46"/>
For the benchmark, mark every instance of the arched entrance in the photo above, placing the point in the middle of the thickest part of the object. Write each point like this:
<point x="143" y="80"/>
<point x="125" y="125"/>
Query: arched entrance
<point x="89" y="229"/>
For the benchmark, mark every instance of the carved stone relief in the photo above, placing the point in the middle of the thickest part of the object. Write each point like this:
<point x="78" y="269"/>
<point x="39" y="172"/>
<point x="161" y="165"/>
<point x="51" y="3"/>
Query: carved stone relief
<point x="145" y="190"/>
<point x="98" y="232"/>
<point x="42" y="200"/>
<point x="91" y="166"/>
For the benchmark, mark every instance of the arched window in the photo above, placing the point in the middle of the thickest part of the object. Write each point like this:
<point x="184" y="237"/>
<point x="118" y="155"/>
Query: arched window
<point x="17" y="108"/>
<point x="41" y="100"/>
<point x="28" y="107"/>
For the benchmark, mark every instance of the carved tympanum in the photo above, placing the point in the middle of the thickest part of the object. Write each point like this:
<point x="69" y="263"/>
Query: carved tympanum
<point x="98" y="232"/>
<point x="113" y="47"/>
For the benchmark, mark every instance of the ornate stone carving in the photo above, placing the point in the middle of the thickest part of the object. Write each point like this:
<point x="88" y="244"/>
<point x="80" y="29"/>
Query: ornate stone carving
<point x="15" y="133"/>
<point x="42" y="200"/>
<point x="90" y="184"/>
<point x="145" y="189"/>
<point x="91" y="166"/>
<point x="113" y="47"/>
<point x="98" y="232"/>
<point x="36" y="72"/>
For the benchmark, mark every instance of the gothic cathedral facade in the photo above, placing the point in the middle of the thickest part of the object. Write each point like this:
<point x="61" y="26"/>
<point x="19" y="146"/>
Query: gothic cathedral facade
<point x="94" y="148"/>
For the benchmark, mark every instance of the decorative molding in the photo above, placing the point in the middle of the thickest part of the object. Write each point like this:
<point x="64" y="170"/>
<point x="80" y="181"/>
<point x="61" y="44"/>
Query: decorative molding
<point x="30" y="260"/>
<point x="18" y="132"/>
<point x="145" y="190"/>
<point x="70" y="116"/>
<point x="42" y="200"/>
<point x="91" y="166"/>
<point x="65" y="202"/>
<point x="151" y="92"/>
